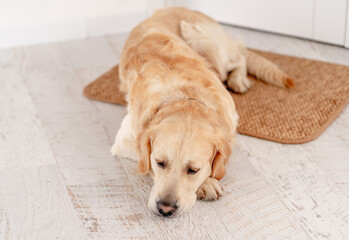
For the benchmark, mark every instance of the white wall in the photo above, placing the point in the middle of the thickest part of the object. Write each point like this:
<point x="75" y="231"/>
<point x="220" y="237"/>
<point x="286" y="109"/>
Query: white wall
<point x="25" y="22"/>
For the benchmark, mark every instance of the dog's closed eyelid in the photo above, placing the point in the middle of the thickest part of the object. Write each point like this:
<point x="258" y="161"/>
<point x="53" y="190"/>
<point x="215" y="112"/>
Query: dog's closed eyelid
<point x="192" y="170"/>
<point x="161" y="163"/>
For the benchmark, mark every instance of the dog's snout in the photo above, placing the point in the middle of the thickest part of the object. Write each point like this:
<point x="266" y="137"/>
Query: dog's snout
<point x="166" y="208"/>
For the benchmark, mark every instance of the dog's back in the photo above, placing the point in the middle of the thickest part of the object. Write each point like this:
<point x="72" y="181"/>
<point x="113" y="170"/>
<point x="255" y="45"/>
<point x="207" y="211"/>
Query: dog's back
<point x="178" y="53"/>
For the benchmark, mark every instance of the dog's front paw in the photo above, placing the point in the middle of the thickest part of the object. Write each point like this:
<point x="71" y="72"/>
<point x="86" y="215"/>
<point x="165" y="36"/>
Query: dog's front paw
<point x="209" y="190"/>
<point x="115" y="149"/>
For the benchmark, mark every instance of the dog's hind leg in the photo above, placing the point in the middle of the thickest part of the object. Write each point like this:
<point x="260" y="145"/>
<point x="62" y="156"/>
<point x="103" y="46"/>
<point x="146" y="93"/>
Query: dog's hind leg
<point x="225" y="56"/>
<point x="237" y="78"/>
<point x="125" y="144"/>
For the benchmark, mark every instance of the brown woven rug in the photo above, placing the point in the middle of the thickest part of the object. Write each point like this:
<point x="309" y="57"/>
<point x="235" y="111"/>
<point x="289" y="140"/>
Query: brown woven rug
<point x="295" y="115"/>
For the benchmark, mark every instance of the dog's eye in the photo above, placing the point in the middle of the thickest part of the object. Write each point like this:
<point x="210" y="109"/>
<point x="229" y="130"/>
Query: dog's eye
<point x="161" y="164"/>
<point x="192" y="170"/>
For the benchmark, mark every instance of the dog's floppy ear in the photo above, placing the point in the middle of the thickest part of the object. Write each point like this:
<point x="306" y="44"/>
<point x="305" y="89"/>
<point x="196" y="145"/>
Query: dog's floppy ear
<point x="223" y="151"/>
<point x="144" y="150"/>
<point x="144" y="139"/>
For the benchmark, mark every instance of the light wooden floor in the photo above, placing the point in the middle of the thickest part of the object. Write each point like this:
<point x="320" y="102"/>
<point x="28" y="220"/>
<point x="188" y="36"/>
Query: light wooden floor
<point x="58" y="180"/>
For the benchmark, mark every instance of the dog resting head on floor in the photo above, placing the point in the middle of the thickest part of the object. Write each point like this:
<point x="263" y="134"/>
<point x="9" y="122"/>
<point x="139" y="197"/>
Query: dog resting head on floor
<point x="183" y="147"/>
<point x="181" y="120"/>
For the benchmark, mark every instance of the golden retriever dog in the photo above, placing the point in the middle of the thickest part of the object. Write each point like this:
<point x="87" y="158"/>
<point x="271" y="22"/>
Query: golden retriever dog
<point x="181" y="119"/>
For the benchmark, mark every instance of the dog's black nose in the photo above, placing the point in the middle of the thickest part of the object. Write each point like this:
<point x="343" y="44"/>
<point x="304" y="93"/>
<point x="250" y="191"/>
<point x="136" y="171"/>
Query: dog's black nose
<point x="166" y="208"/>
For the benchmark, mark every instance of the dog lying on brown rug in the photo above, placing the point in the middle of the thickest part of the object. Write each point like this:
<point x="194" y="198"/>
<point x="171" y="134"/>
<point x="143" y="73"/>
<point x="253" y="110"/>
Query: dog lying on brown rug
<point x="181" y="120"/>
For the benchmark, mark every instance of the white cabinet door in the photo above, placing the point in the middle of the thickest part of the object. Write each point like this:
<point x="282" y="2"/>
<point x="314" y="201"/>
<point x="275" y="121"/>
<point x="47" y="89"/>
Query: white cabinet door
<point x="293" y="17"/>
<point x="321" y="20"/>
<point x="346" y="44"/>
<point x="330" y="21"/>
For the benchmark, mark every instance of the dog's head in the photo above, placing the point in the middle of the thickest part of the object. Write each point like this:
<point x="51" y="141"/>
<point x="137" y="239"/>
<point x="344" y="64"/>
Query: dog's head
<point x="181" y="147"/>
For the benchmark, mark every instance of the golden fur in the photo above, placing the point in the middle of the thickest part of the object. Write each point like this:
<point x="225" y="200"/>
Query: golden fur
<point x="181" y="120"/>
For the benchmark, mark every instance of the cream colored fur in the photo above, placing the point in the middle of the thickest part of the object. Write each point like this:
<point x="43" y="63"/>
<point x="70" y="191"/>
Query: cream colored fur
<point x="181" y="120"/>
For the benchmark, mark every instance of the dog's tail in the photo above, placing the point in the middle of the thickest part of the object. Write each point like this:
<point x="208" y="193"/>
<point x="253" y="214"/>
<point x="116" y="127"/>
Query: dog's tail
<point x="267" y="71"/>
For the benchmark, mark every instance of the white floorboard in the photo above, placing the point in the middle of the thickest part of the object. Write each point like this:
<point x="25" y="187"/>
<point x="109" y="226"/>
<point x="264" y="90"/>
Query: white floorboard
<point x="38" y="205"/>
<point x="23" y="140"/>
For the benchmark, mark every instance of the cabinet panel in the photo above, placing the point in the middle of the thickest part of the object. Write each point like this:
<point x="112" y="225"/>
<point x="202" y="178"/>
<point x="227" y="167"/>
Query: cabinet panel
<point x="329" y="21"/>
<point x="321" y="20"/>
<point x="292" y="17"/>
<point x="346" y="44"/>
